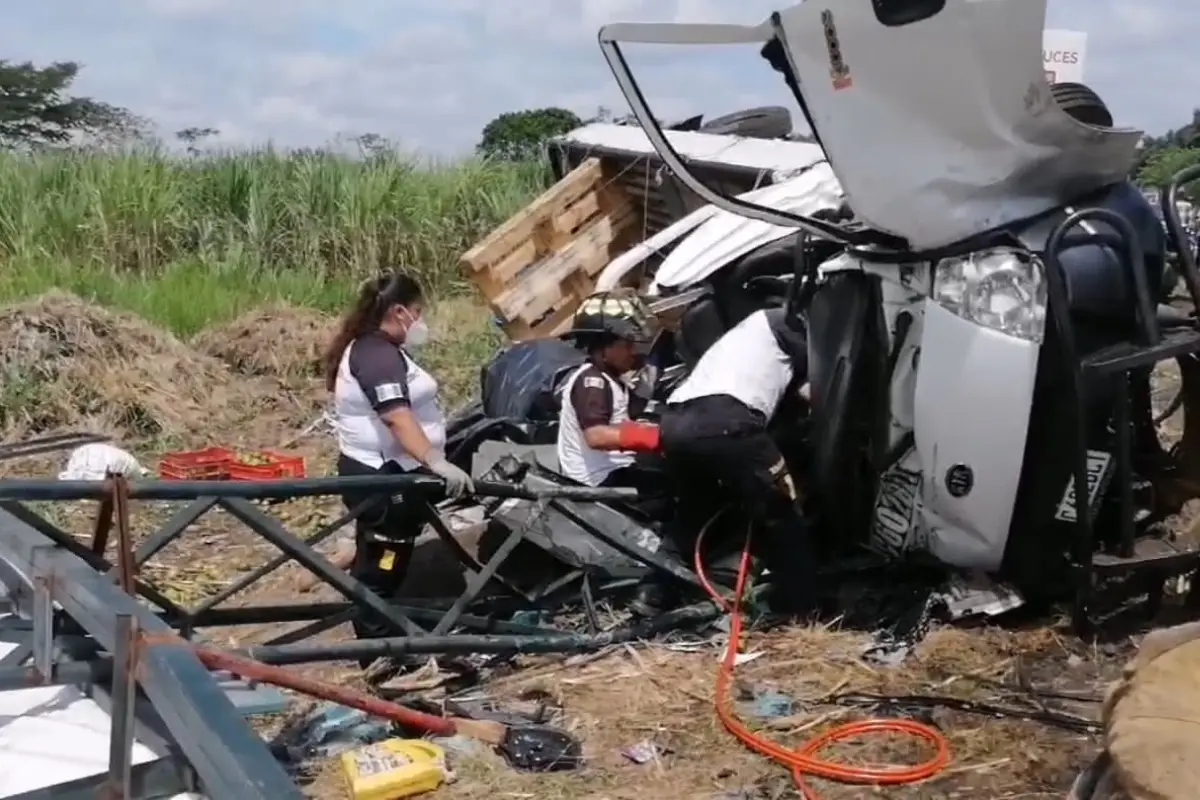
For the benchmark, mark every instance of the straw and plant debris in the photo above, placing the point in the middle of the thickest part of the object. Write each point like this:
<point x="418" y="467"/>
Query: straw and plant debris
<point x="65" y="363"/>
<point x="280" y="341"/>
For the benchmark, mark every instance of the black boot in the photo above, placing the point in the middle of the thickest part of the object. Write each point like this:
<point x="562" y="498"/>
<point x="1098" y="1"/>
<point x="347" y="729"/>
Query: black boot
<point x="791" y="561"/>
<point x="653" y="598"/>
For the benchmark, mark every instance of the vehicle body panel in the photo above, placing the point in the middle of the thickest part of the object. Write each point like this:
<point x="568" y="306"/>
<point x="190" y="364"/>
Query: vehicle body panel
<point x="936" y="149"/>
<point x="725" y="237"/>
<point x="971" y="415"/>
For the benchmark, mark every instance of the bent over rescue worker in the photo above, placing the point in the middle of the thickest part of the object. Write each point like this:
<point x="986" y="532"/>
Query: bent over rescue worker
<point x="597" y="440"/>
<point x="387" y="419"/>
<point x="714" y="437"/>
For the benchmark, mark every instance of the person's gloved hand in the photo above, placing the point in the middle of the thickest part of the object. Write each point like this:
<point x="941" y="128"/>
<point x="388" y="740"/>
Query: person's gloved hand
<point x="458" y="482"/>
<point x="640" y="437"/>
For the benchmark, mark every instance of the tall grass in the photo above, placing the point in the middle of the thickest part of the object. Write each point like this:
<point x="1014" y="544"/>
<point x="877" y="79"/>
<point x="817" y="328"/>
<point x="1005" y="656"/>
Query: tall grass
<point x="190" y="241"/>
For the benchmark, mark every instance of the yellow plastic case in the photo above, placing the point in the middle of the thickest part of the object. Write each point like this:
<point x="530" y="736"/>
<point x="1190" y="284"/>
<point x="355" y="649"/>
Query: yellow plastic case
<point x="393" y="769"/>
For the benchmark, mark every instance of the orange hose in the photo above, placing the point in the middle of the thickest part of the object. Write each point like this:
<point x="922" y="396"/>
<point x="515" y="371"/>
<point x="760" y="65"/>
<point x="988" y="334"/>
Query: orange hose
<point x="804" y="760"/>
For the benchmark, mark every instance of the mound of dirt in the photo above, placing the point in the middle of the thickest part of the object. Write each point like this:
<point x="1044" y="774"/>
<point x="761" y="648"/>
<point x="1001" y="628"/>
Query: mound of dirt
<point x="65" y="363"/>
<point x="280" y="341"/>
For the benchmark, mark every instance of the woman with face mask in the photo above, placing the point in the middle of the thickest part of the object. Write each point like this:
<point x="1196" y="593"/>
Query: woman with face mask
<point x="387" y="418"/>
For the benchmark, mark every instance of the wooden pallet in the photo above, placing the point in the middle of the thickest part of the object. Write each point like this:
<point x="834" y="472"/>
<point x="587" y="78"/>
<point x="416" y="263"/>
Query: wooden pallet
<point x="537" y="267"/>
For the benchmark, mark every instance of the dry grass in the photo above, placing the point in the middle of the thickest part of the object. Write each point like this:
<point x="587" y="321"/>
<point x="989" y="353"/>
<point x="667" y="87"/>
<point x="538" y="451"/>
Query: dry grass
<point x="67" y="364"/>
<point x="285" y="342"/>
<point x="667" y="698"/>
<point x="281" y="341"/>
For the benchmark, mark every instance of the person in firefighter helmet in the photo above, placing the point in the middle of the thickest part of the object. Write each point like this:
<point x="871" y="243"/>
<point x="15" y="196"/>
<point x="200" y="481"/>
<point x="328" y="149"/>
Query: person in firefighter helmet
<point x="597" y="437"/>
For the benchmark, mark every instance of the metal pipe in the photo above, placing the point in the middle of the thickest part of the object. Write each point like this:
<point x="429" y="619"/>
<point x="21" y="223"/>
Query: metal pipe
<point x="25" y="489"/>
<point x="172" y="529"/>
<point x="47" y="444"/>
<point x="1169" y="202"/>
<point x="266" y="569"/>
<point x="263" y="615"/>
<point x="300" y="612"/>
<point x="352" y="589"/>
<point x="1124" y="445"/>
<point x="467" y="643"/>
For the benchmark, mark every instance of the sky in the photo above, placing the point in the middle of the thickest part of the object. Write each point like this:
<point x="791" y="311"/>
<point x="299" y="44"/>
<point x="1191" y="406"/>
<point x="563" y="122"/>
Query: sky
<point x="429" y="74"/>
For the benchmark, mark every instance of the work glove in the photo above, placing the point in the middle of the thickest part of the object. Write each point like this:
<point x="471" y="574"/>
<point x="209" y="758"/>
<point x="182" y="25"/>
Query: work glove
<point x="458" y="482"/>
<point x="639" y="437"/>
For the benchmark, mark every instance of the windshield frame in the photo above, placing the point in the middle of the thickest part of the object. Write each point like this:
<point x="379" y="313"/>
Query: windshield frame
<point x="610" y="39"/>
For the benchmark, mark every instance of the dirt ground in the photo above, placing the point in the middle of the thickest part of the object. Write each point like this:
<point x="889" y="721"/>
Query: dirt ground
<point x="83" y="368"/>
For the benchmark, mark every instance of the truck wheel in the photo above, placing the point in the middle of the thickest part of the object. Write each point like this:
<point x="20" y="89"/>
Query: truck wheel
<point x="765" y="122"/>
<point x="1082" y="103"/>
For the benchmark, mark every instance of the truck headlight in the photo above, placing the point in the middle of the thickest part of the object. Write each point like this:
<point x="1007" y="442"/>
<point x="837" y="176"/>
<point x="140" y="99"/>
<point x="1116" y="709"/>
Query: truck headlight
<point x="1003" y="289"/>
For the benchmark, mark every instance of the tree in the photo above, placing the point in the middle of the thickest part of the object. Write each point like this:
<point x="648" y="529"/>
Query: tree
<point x="519" y="135"/>
<point x="37" y="111"/>
<point x="192" y="137"/>
<point x="374" y="145"/>
<point x="607" y="115"/>
<point x="1164" y="163"/>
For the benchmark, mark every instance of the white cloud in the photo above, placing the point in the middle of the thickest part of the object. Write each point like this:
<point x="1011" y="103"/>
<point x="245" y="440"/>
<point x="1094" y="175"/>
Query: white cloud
<point x="431" y="73"/>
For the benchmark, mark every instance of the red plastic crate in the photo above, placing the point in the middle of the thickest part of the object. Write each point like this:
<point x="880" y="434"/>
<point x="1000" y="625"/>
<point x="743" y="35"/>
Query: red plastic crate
<point x="211" y="464"/>
<point x="283" y="465"/>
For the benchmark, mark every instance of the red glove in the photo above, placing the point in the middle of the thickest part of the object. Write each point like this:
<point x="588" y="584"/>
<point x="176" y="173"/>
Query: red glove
<point x="638" y="436"/>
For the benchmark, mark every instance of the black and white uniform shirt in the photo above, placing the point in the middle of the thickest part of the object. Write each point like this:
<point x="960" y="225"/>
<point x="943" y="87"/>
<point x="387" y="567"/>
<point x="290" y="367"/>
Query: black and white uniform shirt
<point x="591" y="397"/>
<point x="376" y="377"/>
<point x="755" y="362"/>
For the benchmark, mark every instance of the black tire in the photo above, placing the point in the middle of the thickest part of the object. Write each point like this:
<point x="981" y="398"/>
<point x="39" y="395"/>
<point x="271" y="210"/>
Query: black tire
<point x="765" y="122"/>
<point x="1082" y="103"/>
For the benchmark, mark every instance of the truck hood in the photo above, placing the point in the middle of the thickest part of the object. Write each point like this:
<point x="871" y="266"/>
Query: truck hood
<point x="937" y="129"/>
<point x="965" y="134"/>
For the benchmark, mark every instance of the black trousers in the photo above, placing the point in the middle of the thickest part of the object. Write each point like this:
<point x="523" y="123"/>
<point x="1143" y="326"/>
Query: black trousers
<point x="717" y="450"/>
<point x="384" y="536"/>
<point x="655" y="499"/>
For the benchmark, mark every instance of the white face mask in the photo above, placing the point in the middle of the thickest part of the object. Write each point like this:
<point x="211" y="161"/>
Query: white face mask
<point x="417" y="333"/>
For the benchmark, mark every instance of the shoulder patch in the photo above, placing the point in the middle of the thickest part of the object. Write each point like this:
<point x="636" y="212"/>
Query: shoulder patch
<point x="593" y="382"/>
<point x="385" y="392"/>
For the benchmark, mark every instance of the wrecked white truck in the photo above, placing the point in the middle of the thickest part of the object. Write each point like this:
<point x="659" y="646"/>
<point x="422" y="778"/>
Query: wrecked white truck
<point x="979" y="288"/>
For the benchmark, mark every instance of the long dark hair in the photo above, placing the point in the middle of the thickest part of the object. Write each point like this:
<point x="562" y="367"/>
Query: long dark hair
<point x="374" y="299"/>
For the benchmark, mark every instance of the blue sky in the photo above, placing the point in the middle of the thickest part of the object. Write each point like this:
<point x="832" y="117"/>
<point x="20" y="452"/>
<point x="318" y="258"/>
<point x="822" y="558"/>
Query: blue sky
<point x="431" y="73"/>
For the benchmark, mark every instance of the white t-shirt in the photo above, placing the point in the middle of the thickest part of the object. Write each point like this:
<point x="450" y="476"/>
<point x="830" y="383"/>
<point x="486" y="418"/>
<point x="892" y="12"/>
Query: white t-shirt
<point x="747" y="363"/>
<point x="375" y="377"/>
<point x="590" y="397"/>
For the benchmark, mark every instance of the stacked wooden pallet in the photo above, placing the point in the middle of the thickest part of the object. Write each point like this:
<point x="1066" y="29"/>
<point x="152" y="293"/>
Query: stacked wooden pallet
<point x="536" y="268"/>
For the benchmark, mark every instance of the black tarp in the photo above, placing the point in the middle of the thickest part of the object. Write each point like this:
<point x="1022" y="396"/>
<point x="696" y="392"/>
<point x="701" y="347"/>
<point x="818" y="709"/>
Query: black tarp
<point x="520" y="383"/>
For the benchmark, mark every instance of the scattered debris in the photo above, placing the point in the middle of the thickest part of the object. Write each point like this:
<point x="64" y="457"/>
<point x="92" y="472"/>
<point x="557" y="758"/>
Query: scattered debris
<point x="541" y="749"/>
<point x="327" y="731"/>
<point x="766" y="704"/>
<point x="94" y="462"/>
<point x="644" y="752"/>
